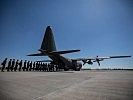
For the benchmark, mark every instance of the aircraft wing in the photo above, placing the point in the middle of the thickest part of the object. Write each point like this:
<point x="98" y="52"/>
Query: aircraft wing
<point x="97" y="59"/>
<point x="45" y="53"/>
<point x="108" y="57"/>
<point x="119" y="56"/>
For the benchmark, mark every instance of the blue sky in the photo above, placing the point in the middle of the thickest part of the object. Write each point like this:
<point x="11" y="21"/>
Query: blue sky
<point x="96" y="27"/>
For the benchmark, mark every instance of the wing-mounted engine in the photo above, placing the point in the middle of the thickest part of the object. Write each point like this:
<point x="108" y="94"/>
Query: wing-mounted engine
<point x="90" y="61"/>
<point x="87" y="61"/>
<point x="97" y="59"/>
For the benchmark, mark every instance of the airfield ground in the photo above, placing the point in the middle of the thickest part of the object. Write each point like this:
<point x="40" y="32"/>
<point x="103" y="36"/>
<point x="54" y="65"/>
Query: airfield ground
<point x="71" y="85"/>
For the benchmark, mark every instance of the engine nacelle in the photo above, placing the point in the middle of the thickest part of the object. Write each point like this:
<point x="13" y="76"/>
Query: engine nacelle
<point x="90" y="62"/>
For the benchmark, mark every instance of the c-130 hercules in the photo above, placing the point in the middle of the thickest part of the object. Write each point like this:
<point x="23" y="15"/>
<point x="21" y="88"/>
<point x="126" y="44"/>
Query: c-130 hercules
<point x="48" y="48"/>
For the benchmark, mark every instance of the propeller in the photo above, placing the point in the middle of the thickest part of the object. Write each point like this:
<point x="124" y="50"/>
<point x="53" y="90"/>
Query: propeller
<point x="98" y="63"/>
<point x="84" y="62"/>
<point x="98" y="60"/>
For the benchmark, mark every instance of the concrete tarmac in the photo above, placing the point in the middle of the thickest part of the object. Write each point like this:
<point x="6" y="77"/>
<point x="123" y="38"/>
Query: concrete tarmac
<point x="71" y="85"/>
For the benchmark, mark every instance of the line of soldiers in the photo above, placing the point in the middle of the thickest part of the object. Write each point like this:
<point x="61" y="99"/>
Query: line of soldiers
<point x="27" y="66"/>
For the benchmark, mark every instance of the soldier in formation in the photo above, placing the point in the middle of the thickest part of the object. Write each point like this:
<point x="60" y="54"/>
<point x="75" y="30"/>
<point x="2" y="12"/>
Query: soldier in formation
<point x="3" y="64"/>
<point x="28" y="66"/>
<point x="9" y="65"/>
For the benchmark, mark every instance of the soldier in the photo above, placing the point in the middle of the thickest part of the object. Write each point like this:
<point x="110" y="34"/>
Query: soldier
<point x="9" y="64"/>
<point x="57" y="68"/>
<point x="20" y="65"/>
<point x="37" y="66"/>
<point x="47" y="67"/>
<point x="30" y="66"/>
<point x="4" y="64"/>
<point x="16" y="65"/>
<point x="52" y="65"/>
<point x="40" y="66"/>
<point x="24" y="67"/>
<point x="34" y="65"/>
<point x="13" y="63"/>
<point x="44" y="67"/>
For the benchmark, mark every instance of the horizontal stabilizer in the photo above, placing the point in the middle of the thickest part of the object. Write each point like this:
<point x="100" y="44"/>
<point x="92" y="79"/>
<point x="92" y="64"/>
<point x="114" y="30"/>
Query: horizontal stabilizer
<point x="39" y="54"/>
<point x="64" y="52"/>
<point x="45" y="61"/>
<point x="46" y="53"/>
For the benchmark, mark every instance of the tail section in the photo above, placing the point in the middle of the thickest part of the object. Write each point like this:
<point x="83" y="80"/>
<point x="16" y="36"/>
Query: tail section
<point x="48" y="42"/>
<point x="48" y="45"/>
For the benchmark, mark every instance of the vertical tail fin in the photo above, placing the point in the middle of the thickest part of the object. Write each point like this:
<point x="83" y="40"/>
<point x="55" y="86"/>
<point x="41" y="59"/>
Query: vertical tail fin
<point x="48" y="42"/>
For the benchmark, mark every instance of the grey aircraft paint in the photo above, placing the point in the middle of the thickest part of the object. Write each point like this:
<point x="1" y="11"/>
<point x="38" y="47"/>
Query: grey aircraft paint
<point x="48" y="48"/>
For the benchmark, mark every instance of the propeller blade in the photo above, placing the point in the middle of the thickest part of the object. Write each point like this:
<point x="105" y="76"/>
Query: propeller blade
<point x="84" y="62"/>
<point x="98" y="63"/>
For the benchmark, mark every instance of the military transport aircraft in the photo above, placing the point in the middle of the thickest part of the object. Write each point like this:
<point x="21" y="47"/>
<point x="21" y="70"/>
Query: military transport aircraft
<point x="48" y="48"/>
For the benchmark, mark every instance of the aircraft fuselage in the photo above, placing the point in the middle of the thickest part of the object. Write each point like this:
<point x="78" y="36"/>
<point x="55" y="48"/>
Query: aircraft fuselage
<point x="65" y="63"/>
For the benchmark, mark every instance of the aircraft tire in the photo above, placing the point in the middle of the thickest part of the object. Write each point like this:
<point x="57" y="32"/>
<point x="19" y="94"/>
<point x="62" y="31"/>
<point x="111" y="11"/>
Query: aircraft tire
<point x="77" y="69"/>
<point x="66" y="69"/>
